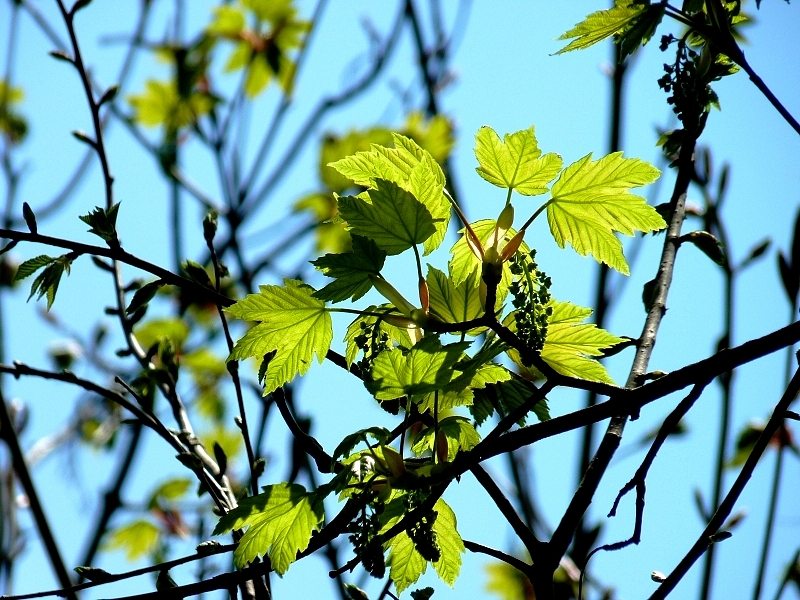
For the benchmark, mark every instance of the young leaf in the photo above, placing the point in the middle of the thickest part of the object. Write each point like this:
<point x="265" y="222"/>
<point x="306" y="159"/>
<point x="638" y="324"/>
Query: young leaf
<point x="590" y="201"/>
<point x="351" y="270"/>
<point x="46" y="283"/>
<point x="345" y="447"/>
<point x="406" y="565"/>
<point x="30" y="266"/>
<point x="516" y="163"/>
<point x="427" y="367"/>
<point x="103" y="223"/>
<point x="707" y="244"/>
<point x="293" y="323"/>
<point x="454" y="303"/>
<point x="93" y="573"/>
<point x="450" y="543"/>
<point x="507" y="395"/>
<point x="280" y="523"/>
<point x="458" y="431"/>
<point x="392" y="218"/>
<point x="602" y="24"/>
<point x="570" y="344"/>
<point x="144" y="294"/>
<point x="410" y="167"/>
<point x="137" y="539"/>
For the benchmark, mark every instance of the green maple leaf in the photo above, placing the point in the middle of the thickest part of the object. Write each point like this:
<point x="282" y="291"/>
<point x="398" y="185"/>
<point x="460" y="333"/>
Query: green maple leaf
<point x="390" y="216"/>
<point x="345" y="447"/>
<point x="570" y="343"/>
<point x="351" y="270"/>
<point x="516" y="163"/>
<point x="507" y="394"/>
<point x="450" y="543"/>
<point x="454" y="303"/>
<point x="427" y="367"/>
<point x="293" y="324"/>
<point x="468" y="376"/>
<point x="406" y="564"/>
<point x="458" y="431"/>
<point x="279" y="524"/>
<point x="590" y="201"/>
<point x="603" y="24"/>
<point x="410" y="167"/>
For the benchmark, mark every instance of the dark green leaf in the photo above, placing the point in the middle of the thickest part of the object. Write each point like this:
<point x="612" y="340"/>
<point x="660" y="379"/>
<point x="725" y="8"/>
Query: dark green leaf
<point x="30" y="266"/>
<point x="82" y="136"/>
<point x="103" y="223"/>
<point x="164" y="581"/>
<point x="61" y="55"/>
<point x="143" y="295"/>
<point x="351" y="270"/>
<point x="791" y="284"/>
<point x="640" y="29"/>
<point x="221" y="458"/>
<point x="422" y="594"/>
<point x="197" y="273"/>
<point x="80" y="4"/>
<point x="345" y="447"/>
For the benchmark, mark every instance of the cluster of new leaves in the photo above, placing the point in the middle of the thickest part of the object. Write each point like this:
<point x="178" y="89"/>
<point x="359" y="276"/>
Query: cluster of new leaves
<point x="13" y="125"/>
<point x="265" y="35"/>
<point x="448" y="387"/>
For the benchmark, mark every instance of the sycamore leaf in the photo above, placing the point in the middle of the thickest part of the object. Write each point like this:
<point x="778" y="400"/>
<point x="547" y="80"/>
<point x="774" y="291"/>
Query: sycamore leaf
<point x="641" y="29"/>
<point x="137" y="539"/>
<point x="345" y="447"/>
<point x="454" y="303"/>
<point x="570" y="344"/>
<point x="411" y="168"/>
<point x="458" y="431"/>
<point x="474" y="375"/>
<point x="396" y="335"/>
<point x="392" y="218"/>
<point x="351" y="270"/>
<point x="450" y="543"/>
<point x="602" y="24"/>
<point x="293" y="324"/>
<point x="406" y="565"/>
<point x="279" y="524"/>
<point x="506" y="395"/>
<point x="516" y="163"/>
<point x="590" y="201"/>
<point x="427" y="367"/>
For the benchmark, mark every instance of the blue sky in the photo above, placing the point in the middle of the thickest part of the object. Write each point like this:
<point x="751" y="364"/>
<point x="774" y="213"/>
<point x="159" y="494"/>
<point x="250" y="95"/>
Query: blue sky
<point x="505" y="76"/>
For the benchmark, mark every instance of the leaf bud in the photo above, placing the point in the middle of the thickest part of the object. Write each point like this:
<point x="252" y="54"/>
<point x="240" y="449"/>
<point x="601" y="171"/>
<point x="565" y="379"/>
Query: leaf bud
<point x="424" y="295"/>
<point x="504" y="223"/>
<point x="393" y="461"/>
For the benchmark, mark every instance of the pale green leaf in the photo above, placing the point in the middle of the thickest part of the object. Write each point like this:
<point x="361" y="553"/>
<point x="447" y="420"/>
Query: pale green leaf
<point x="458" y="431"/>
<point x="279" y="524"/>
<point x="570" y="344"/>
<point x="515" y="163"/>
<point x="454" y="303"/>
<point x="393" y="218"/>
<point x="450" y="543"/>
<point x="293" y="323"/>
<point x="590" y="201"/>
<point x="156" y="330"/>
<point x="228" y="21"/>
<point x="170" y="490"/>
<point x="427" y="367"/>
<point x="411" y="168"/>
<point x="351" y="270"/>
<point x="602" y="24"/>
<point x="138" y="538"/>
<point x="406" y="565"/>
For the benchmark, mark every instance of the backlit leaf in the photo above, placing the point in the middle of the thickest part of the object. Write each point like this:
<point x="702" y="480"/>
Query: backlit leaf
<point x="137" y="539"/>
<point x="351" y="270"/>
<point x="392" y="218"/>
<point x="454" y="303"/>
<point x="279" y="524"/>
<point x="293" y="324"/>
<point x="570" y="344"/>
<point x="450" y="543"/>
<point x="458" y="431"/>
<point x="590" y="201"/>
<point x="397" y="335"/>
<point x="515" y="163"/>
<point x="427" y="367"/>
<point x="602" y="24"/>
